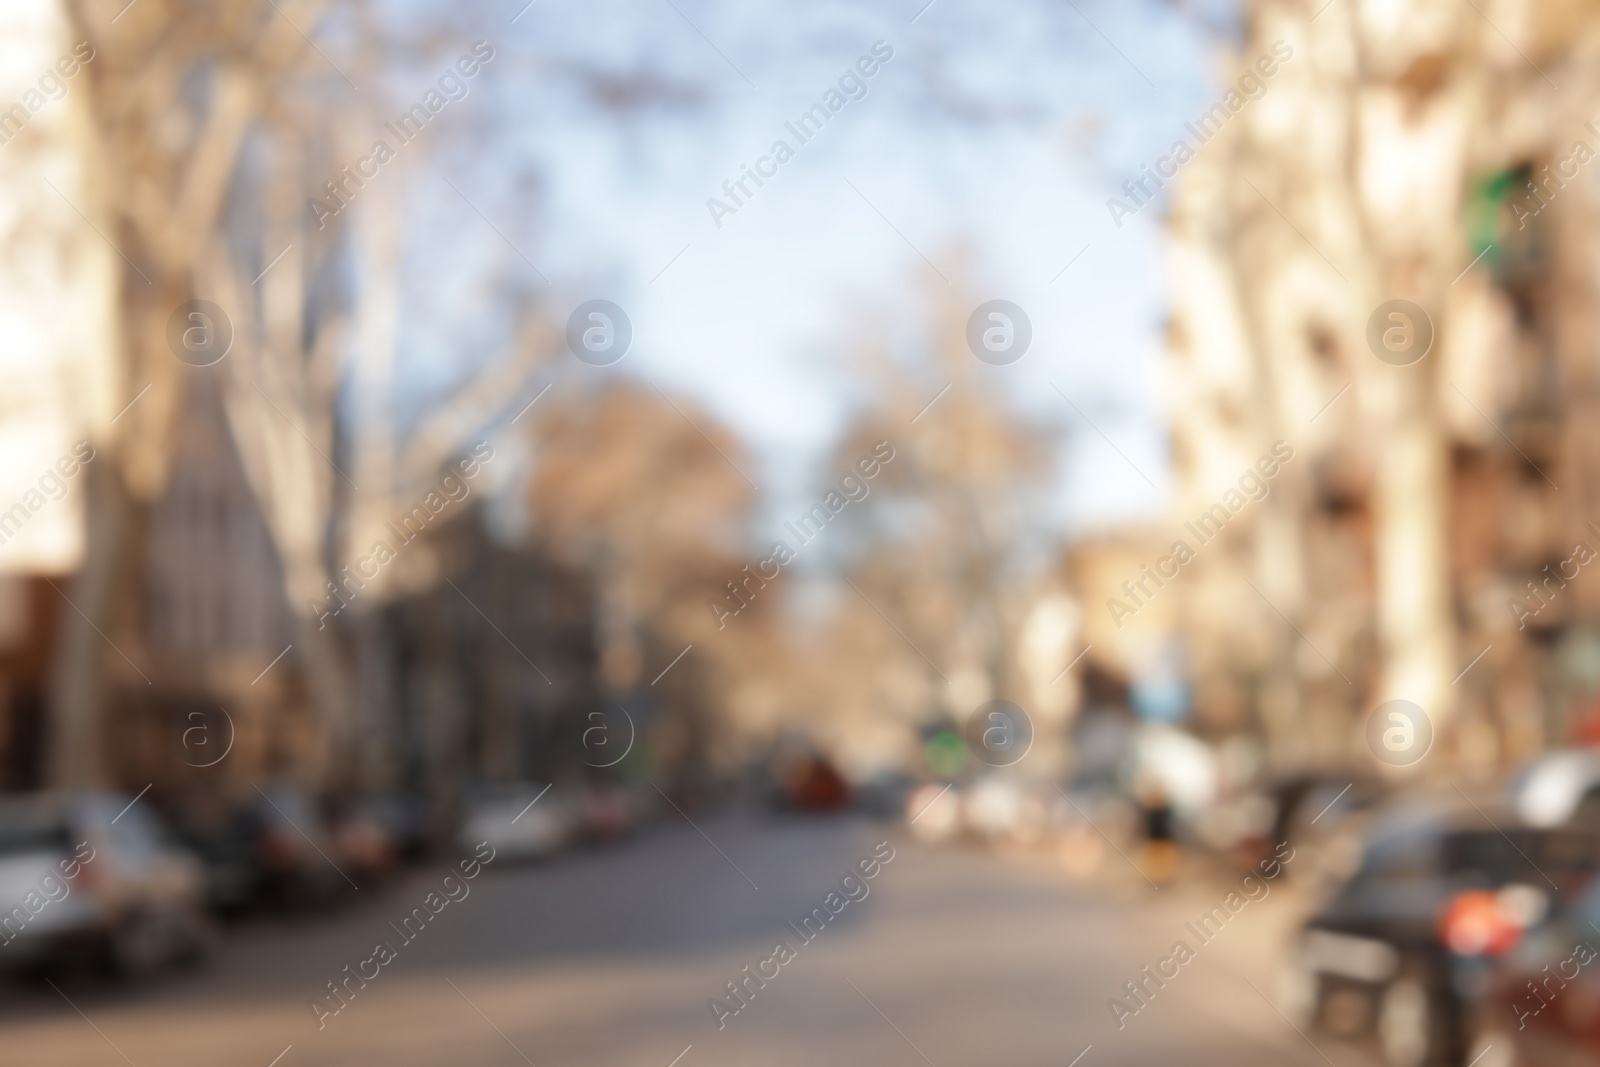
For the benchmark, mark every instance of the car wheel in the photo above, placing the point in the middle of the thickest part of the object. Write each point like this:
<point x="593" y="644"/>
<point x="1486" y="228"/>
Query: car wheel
<point x="198" y="938"/>
<point x="148" y="940"/>
<point x="1410" y="1027"/>
<point x="1300" y="994"/>
<point x="1492" y="1048"/>
<point x="140" y="944"/>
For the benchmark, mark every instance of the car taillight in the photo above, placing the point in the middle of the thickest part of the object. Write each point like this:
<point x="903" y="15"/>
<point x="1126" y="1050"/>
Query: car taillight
<point x="1480" y="923"/>
<point x="279" y="851"/>
<point x="91" y="874"/>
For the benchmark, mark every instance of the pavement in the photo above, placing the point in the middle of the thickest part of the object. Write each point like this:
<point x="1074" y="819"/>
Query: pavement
<point x="610" y="957"/>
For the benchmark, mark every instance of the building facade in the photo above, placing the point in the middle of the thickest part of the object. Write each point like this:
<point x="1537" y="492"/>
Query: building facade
<point x="1429" y="538"/>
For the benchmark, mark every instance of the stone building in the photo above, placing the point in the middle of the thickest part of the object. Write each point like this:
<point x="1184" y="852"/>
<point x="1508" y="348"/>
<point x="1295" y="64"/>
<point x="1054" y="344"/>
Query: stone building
<point x="57" y="392"/>
<point x="170" y="514"/>
<point x="1445" y="469"/>
<point x="486" y="676"/>
<point x="204" y="620"/>
<point x="478" y="666"/>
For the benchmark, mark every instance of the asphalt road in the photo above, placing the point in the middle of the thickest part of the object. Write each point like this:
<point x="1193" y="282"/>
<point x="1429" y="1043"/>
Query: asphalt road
<point x="610" y="957"/>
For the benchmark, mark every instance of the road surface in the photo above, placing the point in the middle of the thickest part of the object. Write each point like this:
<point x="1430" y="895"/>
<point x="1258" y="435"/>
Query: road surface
<point x="609" y="958"/>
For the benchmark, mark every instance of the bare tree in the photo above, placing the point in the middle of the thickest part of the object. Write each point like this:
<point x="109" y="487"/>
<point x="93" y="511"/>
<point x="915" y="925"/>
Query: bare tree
<point x="177" y="98"/>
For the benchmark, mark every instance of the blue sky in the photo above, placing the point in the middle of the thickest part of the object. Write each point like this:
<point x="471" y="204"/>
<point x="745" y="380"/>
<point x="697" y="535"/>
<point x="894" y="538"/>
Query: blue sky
<point x="1002" y="133"/>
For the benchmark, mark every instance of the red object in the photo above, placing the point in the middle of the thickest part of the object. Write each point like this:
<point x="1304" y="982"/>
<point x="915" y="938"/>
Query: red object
<point x="1474" y="924"/>
<point x="1584" y="726"/>
<point x="91" y="872"/>
<point x="818" y="787"/>
<point x="278" y="851"/>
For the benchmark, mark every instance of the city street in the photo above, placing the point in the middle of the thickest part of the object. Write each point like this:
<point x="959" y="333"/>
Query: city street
<point x="609" y="957"/>
<point x="925" y="534"/>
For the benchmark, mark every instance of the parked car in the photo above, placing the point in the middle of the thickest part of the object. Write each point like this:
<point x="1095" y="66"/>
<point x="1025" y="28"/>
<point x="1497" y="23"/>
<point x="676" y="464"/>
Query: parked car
<point x="606" y="811"/>
<point x="90" y="872"/>
<point x="519" y="820"/>
<point x="296" y="850"/>
<point x="274" y="850"/>
<point x="883" y="794"/>
<point x="1542" y="1007"/>
<point x="1383" y="957"/>
<point x="224" y="841"/>
<point x="406" y="819"/>
<point x="370" y="834"/>
<point x="1559" y="787"/>
<point x="814" y="786"/>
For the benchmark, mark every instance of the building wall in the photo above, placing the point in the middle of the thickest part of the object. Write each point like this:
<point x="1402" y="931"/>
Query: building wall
<point x="204" y="616"/>
<point x="485" y="678"/>
<point x="1421" y="499"/>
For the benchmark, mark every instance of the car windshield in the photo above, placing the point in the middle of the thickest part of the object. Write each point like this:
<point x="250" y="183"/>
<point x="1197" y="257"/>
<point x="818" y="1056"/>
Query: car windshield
<point x="31" y="832"/>
<point x="1519" y="850"/>
<point x="1514" y="855"/>
<point x="1398" y="856"/>
<point x="1586" y="911"/>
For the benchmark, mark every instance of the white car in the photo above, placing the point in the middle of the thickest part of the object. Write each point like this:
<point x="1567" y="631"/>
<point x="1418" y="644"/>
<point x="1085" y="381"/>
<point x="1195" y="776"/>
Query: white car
<point x="88" y="870"/>
<point x="1554" y="788"/>
<point x="519" y="821"/>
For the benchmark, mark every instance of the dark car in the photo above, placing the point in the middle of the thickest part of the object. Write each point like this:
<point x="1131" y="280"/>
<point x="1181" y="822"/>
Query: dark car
<point x="274" y="850"/>
<point x="1380" y="959"/>
<point x="224" y="840"/>
<point x="1542" y="1008"/>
